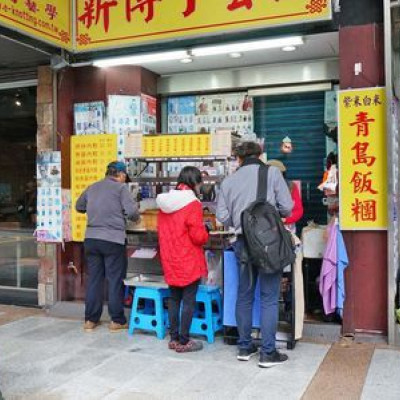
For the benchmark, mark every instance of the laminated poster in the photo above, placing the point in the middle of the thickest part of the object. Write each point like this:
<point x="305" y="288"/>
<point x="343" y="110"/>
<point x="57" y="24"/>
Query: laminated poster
<point x="124" y="116"/>
<point x="89" y="118"/>
<point x="49" y="200"/>
<point x="182" y="114"/>
<point x="207" y="114"/>
<point x="90" y="156"/>
<point x="148" y="114"/>
<point x="66" y="214"/>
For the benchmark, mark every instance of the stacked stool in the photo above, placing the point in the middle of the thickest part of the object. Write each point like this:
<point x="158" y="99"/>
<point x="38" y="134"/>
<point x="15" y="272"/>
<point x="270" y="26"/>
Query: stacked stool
<point x="207" y="319"/>
<point x="153" y="316"/>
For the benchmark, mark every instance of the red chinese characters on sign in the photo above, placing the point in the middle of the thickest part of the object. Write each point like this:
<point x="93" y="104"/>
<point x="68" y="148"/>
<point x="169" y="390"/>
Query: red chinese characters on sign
<point x="190" y="8"/>
<point x="51" y="11"/>
<point x="96" y="9"/>
<point x="236" y="4"/>
<point x="31" y="6"/>
<point x="362" y="122"/>
<point x="361" y="156"/>
<point x="144" y="6"/>
<point x="362" y="182"/>
<point x="364" y="211"/>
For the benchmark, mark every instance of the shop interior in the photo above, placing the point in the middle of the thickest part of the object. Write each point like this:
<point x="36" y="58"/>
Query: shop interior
<point x="18" y="250"/>
<point x="283" y="97"/>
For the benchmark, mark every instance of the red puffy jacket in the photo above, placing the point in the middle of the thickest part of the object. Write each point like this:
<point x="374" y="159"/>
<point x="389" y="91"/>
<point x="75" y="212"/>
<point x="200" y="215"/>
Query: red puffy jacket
<point x="182" y="235"/>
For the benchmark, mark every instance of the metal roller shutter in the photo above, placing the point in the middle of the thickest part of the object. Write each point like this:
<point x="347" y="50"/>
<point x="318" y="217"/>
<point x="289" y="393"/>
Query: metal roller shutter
<point x="301" y="117"/>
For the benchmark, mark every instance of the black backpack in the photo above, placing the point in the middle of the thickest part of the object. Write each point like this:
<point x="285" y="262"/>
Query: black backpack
<point x="269" y="245"/>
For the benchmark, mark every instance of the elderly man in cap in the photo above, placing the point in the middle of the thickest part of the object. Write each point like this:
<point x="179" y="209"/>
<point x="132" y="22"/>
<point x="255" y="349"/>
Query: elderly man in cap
<point x="108" y="204"/>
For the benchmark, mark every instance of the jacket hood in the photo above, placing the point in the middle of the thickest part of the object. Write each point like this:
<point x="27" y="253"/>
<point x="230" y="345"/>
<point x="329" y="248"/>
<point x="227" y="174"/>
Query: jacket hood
<point x="175" y="200"/>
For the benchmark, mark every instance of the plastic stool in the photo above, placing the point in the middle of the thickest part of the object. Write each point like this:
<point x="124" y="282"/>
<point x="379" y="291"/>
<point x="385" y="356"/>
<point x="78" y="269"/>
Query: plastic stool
<point x="153" y="317"/>
<point x="209" y="322"/>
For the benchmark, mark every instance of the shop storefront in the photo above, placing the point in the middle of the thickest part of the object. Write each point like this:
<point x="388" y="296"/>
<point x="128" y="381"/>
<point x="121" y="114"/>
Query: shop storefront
<point x="279" y="78"/>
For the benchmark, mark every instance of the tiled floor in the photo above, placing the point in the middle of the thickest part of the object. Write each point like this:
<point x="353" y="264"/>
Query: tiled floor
<point x="46" y="358"/>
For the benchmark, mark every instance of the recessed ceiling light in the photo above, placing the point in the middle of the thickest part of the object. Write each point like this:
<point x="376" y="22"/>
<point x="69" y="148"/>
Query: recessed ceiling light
<point x="235" y="55"/>
<point x="18" y="103"/>
<point x="186" y="60"/>
<point x="289" y="48"/>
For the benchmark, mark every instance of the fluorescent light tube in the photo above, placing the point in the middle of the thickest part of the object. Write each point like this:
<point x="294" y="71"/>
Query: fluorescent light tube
<point x="247" y="46"/>
<point x="142" y="59"/>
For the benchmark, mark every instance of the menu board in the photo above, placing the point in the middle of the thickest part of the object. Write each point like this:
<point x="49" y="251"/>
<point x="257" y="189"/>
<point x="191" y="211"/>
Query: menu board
<point x="210" y="113"/>
<point x="49" y="201"/>
<point x="176" y="145"/>
<point x="90" y="156"/>
<point x="89" y="118"/>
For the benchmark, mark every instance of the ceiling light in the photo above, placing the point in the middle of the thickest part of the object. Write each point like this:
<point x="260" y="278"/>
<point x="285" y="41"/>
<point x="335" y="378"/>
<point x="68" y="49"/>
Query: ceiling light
<point x="142" y="59"/>
<point x="289" y="48"/>
<point x="18" y="103"/>
<point x="186" y="60"/>
<point x="235" y="55"/>
<point x="247" y="46"/>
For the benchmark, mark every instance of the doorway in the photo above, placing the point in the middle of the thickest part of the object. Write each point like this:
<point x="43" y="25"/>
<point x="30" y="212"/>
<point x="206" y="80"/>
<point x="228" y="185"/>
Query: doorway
<point x="19" y="262"/>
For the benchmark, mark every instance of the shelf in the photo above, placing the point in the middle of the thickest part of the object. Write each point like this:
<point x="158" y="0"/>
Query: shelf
<point x="173" y="180"/>
<point x="180" y="159"/>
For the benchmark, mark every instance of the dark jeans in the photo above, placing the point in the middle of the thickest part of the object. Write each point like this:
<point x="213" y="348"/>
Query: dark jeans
<point x="186" y="295"/>
<point x="269" y="298"/>
<point x="105" y="260"/>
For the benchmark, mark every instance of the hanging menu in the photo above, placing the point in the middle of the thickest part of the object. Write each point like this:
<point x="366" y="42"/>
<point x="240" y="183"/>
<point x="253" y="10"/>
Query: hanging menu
<point x="49" y="202"/>
<point x="90" y="156"/>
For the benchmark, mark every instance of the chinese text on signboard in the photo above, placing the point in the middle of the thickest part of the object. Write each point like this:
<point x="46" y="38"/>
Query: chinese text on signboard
<point x="363" y="169"/>
<point x="50" y="20"/>
<point x="102" y="23"/>
<point x="90" y="155"/>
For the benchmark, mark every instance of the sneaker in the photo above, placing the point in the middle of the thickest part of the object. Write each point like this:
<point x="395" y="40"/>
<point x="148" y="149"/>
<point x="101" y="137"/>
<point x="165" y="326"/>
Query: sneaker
<point x="246" y="354"/>
<point x="173" y="344"/>
<point x="90" y="326"/>
<point x="272" y="359"/>
<point x="116" y="327"/>
<point x="190" y="347"/>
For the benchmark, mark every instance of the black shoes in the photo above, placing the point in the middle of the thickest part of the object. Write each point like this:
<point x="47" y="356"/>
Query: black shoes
<point x="246" y="354"/>
<point x="272" y="359"/>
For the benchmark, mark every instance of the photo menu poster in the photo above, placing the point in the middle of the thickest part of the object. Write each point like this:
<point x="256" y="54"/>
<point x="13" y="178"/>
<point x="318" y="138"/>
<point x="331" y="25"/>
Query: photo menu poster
<point x="89" y="118"/>
<point x="182" y="114"/>
<point x="148" y="114"/>
<point x="90" y="156"/>
<point x="210" y="113"/>
<point x="124" y="116"/>
<point x="49" y="198"/>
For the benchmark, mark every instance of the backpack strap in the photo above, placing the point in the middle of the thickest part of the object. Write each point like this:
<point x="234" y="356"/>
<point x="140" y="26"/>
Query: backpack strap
<point x="262" y="182"/>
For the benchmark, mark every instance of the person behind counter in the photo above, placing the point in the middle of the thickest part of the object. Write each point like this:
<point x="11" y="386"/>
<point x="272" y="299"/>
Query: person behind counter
<point x="107" y="204"/>
<point x="237" y="192"/>
<point x="182" y="235"/>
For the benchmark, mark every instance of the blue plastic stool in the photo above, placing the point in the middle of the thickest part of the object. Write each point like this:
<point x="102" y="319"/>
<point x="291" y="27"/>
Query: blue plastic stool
<point x="153" y="316"/>
<point x="209" y="321"/>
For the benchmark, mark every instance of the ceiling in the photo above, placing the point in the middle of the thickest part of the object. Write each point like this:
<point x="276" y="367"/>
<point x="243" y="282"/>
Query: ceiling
<point x="319" y="46"/>
<point x="17" y="59"/>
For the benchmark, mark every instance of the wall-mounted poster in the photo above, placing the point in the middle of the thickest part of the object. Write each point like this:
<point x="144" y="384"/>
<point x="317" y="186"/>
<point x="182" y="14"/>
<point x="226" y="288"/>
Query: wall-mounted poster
<point x="148" y="114"/>
<point x="66" y="215"/>
<point x="124" y="116"/>
<point x="89" y="118"/>
<point x="182" y="114"/>
<point x="49" y="202"/>
<point x="209" y="113"/>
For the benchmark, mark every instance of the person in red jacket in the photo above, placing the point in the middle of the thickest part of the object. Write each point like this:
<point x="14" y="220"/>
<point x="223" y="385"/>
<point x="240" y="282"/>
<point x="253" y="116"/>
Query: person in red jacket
<point x="298" y="210"/>
<point x="182" y="235"/>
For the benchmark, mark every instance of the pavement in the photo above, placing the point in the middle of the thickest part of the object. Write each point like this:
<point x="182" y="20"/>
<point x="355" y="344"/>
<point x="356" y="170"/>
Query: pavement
<point x="45" y="358"/>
